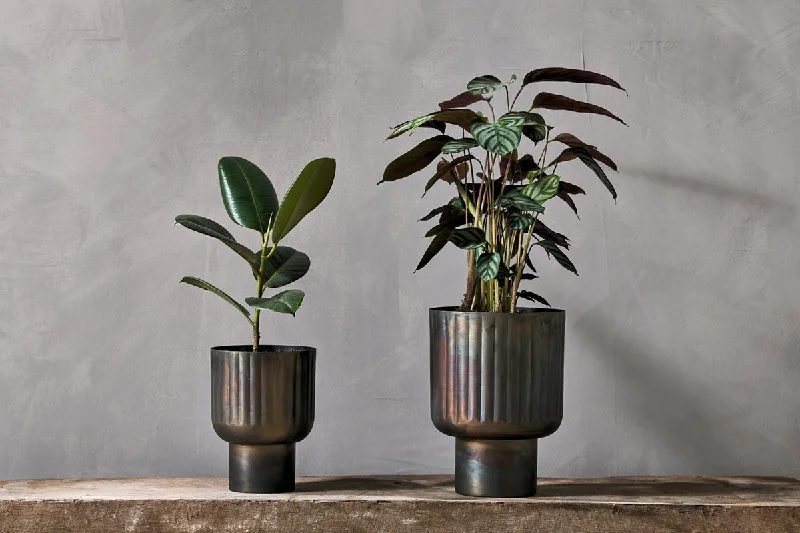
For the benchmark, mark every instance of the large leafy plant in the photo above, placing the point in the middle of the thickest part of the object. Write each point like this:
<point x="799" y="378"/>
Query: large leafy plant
<point x="500" y="194"/>
<point x="251" y="202"/>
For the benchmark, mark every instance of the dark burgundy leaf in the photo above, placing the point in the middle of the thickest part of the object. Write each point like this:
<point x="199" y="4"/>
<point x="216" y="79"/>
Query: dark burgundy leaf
<point x="573" y="142"/>
<point x="462" y="100"/>
<point x="568" y="75"/>
<point x="558" y="102"/>
<point x="444" y="171"/>
<point x="546" y="233"/>
<point x="434" y="248"/>
<point x="435" y="124"/>
<point x="415" y="159"/>
<point x="569" y="188"/>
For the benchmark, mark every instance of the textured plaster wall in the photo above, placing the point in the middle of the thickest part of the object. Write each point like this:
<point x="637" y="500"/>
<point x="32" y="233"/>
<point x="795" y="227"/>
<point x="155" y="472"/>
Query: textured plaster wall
<point x="682" y="350"/>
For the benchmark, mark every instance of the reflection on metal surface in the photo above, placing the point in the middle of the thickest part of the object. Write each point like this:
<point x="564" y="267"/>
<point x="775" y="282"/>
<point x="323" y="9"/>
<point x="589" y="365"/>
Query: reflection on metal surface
<point x="262" y="403"/>
<point x="496" y="385"/>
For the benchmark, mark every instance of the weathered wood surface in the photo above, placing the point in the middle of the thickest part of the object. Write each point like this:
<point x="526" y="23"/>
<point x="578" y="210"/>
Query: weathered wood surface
<point x="407" y="504"/>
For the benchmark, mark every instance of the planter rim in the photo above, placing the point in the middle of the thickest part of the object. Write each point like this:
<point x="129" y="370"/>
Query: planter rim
<point x="264" y="349"/>
<point x="520" y="311"/>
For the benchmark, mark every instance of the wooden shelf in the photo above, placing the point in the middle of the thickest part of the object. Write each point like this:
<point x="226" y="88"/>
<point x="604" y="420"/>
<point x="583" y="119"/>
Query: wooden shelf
<point x="407" y="504"/>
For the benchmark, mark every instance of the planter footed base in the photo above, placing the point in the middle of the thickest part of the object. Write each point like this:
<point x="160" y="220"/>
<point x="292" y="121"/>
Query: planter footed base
<point x="496" y="468"/>
<point x="261" y="469"/>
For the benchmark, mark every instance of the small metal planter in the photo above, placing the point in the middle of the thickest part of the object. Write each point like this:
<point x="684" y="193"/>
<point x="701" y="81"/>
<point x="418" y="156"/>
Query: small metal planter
<point x="262" y="404"/>
<point x="497" y="383"/>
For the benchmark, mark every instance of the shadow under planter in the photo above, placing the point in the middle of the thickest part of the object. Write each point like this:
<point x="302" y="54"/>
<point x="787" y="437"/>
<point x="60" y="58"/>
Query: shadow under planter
<point x="497" y="383"/>
<point x="262" y="403"/>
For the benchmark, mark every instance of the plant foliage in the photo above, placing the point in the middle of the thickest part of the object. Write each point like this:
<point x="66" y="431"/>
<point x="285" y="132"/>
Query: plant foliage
<point x="501" y="193"/>
<point x="251" y="202"/>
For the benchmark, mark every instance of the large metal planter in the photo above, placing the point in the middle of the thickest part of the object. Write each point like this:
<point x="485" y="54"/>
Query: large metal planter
<point x="262" y="404"/>
<point x="497" y="383"/>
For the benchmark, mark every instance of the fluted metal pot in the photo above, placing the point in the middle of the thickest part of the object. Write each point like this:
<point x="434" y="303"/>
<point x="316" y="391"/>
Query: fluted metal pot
<point x="497" y="386"/>
<point x="262" y="403"/>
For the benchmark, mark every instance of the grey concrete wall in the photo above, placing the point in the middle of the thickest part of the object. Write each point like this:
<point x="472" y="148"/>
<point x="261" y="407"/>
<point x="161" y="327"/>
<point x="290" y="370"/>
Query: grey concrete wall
<point x="683" y="326"/>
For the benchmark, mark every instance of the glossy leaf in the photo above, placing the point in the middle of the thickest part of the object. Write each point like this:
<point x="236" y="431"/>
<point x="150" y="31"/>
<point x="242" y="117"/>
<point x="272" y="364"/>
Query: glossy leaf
<point x="199" y="283"/>
<point x="568" y="75"/>
<point x="488" y="265"/>
<point x="533" y="297"/>
<point x="562" y="259"/>
<point x="247" y="193"/>
<point x="208" y="227"/>
<point x="468" y="238"/>
<point x="435" y="246"/>
<point x="445" y="171"/>
<point x="286" y="266"/>
<point x="517" y="220"/>
<point x="305" y="194"/>
<point x="558" y="102"/>
<point x="415" y="159"/>
<point x="573" y="142"/>
<point x="500" y="140"/>
<point x="462" y="100"/>
<point x="459" y="145"/>
<point x="536" y="133"/>
<point x="287" y="302"/>
<point x="542" y="189"/>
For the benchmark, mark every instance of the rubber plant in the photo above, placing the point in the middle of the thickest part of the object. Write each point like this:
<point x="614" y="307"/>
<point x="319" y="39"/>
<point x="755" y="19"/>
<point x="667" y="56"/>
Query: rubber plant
<point x="251" y="202"/>
<point x="501" y="194"/>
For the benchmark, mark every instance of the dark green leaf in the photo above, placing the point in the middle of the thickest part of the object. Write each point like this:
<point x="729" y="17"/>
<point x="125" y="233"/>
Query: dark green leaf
<point x="468" y="238"/>
<point x="562" y="103"/>
<point x="247" y="193"/>
<point x="495" y="138"/>
<point x="517" y="220"/>
<point x="553" y="249"/>
<point x="305" y="194"/>
<point x="537" y="133"/>
<point x="533" y="297"/>
<point x="488" y="265"/>
<point x="434" y="212"/>
<point x="459" y="145"/>
<point x="286" y="266"/>
<point x="436" y="245"/>
<point x="197" y="282"/>
<point x="462" y="100"/>
<point x="504" y="272"/>
<point x="284" y="302"/>
<point x="573" y="142"/>
<point x="415" y="159"/>
<point x="568" y="75"/>
<point x="208" y="227"/>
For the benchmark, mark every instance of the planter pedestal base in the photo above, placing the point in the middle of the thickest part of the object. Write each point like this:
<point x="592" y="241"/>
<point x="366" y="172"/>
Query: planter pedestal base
<point x="496" y="468"/>
<point x="261" y="469"/>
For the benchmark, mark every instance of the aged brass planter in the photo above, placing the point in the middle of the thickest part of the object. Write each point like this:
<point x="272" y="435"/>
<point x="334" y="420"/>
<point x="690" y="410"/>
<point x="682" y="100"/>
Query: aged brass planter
<point x="262" y="404"/>
<point x="497" y="387"/>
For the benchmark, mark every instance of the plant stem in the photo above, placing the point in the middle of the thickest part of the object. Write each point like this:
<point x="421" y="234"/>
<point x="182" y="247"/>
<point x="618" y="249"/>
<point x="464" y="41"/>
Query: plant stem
<point x="518" y="275"/>
<point x="260" y="286"/>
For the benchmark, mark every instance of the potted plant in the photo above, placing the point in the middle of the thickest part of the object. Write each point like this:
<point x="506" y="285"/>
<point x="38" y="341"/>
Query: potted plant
<point x="262" y="396"/>
<point x="496" y="368"/>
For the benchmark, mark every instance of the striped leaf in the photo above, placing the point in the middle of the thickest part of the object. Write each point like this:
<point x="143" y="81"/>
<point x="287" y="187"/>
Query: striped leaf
<point x="517" y="220"/>
<point x="410" y="125"/>
<point x="500" y="140"/>
<point x="562" y="259"/>
<point x="247" y="193"/>
<point x="488" y="265"/>
<point x="521" y="202"/>
<point x="284" y="302"/>
<point x="542" y="189"/>
<point x="459" y="145"/>
<point x="487" y="84"/>
<point x="521" y="118"/>
<point x="468" y="238"/>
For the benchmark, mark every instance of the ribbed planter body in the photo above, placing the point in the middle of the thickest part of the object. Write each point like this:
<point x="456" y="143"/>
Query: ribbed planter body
<point x="262" y="404"/>
<point x="497" y="382"/>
